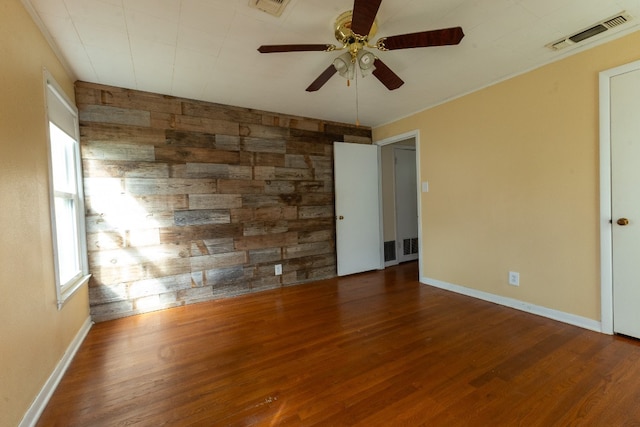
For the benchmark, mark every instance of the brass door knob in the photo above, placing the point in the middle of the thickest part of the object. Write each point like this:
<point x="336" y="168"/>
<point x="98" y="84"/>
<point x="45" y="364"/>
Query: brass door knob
<point x="340" y="217"/>
<point x="623" y="221"/>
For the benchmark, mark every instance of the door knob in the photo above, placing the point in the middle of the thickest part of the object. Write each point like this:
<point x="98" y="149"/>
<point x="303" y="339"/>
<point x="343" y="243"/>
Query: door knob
<point x="340" y="217"/>
<point x="622" y="221"/>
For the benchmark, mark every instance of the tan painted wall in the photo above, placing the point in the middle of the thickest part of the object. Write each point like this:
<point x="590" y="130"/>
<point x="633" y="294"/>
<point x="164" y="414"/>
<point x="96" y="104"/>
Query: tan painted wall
<point x="513" y="183"/>
<point x="33" y="333"/>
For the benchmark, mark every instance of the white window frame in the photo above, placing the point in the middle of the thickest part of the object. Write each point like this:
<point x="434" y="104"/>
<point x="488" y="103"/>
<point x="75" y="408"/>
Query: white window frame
<point x="62" y="114"/>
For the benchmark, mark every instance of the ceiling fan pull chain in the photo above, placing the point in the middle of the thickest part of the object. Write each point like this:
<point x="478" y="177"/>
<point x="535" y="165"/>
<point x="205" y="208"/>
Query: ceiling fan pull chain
<point x="357" y="103"/>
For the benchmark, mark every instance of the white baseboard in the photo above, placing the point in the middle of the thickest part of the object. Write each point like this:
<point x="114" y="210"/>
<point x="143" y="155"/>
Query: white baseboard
<point x="35" y="410"/>
<point x="560" y="316"/>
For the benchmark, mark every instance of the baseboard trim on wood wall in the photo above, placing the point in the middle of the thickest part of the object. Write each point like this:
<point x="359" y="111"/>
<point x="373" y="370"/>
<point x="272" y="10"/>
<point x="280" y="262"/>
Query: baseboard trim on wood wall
<point x="40" y="402"/>
<point x="538" y="310"/>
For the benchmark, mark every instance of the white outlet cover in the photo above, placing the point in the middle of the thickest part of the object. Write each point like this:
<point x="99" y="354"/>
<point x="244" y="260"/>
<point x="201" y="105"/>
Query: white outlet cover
<point x="514" y="278"/>
<point x="278" y="269"/>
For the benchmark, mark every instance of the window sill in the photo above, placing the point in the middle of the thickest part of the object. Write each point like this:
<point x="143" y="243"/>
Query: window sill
<point x="71" y="289"/>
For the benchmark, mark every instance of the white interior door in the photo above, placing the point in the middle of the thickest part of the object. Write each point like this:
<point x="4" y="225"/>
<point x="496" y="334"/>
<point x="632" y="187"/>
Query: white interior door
<point x="406" y="190"/>
<point x="358" y="219"/>
<point x="625" y="201"/>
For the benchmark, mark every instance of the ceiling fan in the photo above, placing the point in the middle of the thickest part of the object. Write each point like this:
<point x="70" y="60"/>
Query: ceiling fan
<point x="353" y="30"/>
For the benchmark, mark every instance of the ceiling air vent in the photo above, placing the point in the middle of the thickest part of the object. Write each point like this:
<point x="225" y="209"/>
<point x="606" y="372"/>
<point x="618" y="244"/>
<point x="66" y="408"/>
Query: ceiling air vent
<point x="599" y="27"/>
<point x="272" y="7"/>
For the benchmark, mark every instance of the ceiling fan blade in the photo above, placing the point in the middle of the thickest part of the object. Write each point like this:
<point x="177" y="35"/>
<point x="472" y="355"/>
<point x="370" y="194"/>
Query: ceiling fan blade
<point x="276" y="48"/>
<point x="446" y="36"/>
<point x="364" y="13"/>
<point x="322" y="78"/>
<point x="386" y="76"/>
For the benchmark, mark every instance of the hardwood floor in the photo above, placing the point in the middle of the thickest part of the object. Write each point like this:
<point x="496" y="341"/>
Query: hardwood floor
<point x="372" y="349"/>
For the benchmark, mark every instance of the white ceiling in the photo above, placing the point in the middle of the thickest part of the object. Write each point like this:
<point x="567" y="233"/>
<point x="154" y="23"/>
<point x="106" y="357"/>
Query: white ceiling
<point x="206" y="49"/>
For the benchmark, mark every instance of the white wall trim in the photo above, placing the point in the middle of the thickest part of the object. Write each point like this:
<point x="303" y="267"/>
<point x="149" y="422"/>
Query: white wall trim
<point x="35" y="410"/>
<point x="560" y="316"/>
<point x="606" y="232"/>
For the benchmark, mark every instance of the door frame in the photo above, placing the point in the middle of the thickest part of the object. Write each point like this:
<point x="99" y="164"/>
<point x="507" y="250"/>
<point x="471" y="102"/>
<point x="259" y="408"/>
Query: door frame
<point x="415" y="134"/>
<point x="606" y="226"/>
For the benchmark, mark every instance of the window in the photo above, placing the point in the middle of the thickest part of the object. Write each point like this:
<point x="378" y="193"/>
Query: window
<point x="67" y="200"/>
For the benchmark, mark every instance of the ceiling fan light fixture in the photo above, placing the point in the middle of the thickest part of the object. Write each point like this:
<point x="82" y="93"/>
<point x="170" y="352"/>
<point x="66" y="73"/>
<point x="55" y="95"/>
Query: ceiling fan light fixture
<point x="344" y="65"/>
<point x="366" y="62"/>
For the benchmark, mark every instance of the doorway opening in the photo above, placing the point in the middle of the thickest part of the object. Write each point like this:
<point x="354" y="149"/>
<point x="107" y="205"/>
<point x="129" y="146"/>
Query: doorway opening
<point x="400" y="198"/>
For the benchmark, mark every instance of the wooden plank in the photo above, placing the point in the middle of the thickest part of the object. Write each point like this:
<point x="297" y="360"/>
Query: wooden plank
<point x="308" y="249"/>
<point x="207" y="170"/>
<point x="121" y="97"/>
<point x="121" y="238"/>
<point x="225" y="278"/>
<point x="279" y="187"/>
<point x="269" y="159"/>
<point x="228" y="142"/>
<point x="306" y="212"/>
<point x="260" y="131"/>
<point x="177" y="138"/>
<point x="142" y="186"/>
<point x="159" y="285"/>
<point x="322" y="137"/>
<point x="91" y="132"/>
<point x="101" y="294"/>
<point x="215" y="201"/>
<point x="306" y="148"/>
<point x="266" y="241"/>
<point x="309" y="262"/>
<point x="122" y="169"/>
<point x="162" y="202"/>
<point x="264" y="214"/>
<point x="208" y="262"/>
<point x="309" y="162"/>
<point x="141" y="254"/>
<point x="221" y="112"/>
<point x="357" y="139"/>
<point x="311" y="187"/>
<point x="106" y="274"/>
<point x="196" y="124"/>
<point x="196" y="155"/>
<point x="178" y="235"/>
<point x="269" y="200"/>
<point x="106" y="240"/>
<point x="115" y="220"/>
<point x="264" y="173"/>
<point x="264" y="145"/>
<point x="211" y="246"/>
<point x="316" y="199"/>
<point x="201" y="217"/>
<point x="258" y="256"/>
<point x="341" y="129"/>
<point x="313" y="224"/>
<point x="256" y="228"/>
<point x="316" y="236"/>
<point x="240" y="186"/>
<point x="107" y="114"/>
<point x="293" y="174"/>
<point x="108" y="150"/>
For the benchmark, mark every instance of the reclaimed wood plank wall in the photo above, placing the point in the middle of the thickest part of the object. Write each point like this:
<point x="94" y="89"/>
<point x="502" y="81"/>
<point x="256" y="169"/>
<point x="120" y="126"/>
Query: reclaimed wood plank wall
<point x="189" y="201"/>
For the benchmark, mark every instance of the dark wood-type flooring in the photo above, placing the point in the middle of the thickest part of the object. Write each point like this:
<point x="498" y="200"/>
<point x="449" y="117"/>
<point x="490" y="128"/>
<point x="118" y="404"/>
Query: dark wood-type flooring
<point x="372" y="349"/>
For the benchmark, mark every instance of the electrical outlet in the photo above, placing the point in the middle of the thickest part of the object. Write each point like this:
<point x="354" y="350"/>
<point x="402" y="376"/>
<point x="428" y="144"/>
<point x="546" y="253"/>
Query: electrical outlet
<point x="514" y="278"/>
<point x="278" y="269"/>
